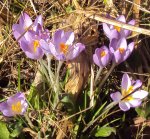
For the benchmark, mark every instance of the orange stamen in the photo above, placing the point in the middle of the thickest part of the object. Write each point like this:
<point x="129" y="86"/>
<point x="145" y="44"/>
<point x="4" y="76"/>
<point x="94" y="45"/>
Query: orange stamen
<point x="63" y="48"/>
<point x="121" y="50"/>
<point x="16" y="107"/>
<point x="103" y="53"/>
<point x="117" y="28"/>
<point x="36" y="45"/>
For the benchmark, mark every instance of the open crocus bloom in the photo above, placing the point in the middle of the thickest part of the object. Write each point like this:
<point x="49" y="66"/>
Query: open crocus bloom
<point x="117" y="32"/>
<point x="62" y="46"/>
<point x="129" y="96"/>
<point x="24" y="23"/>
<point x="15" y="105"/>
<point x="102" y="56"/>
<point x="120" y="50"/>
<point x="31" y="45"/>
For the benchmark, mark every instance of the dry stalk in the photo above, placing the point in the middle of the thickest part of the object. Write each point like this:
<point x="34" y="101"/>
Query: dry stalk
<point x="95" y="16"/>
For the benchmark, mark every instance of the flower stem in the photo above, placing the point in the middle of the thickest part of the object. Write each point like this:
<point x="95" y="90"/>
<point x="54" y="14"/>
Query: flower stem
<point x="91" y="88"/>
<point x="42" y="66"/>
<point x="97" y="75"/>
<point x="56" y="85"/>
<point x="51" y="75"/>
<point x="106" y="76"/>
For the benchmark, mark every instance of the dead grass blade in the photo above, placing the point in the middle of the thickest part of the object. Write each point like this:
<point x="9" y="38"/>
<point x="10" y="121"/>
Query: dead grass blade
<point x="95" y="16"/>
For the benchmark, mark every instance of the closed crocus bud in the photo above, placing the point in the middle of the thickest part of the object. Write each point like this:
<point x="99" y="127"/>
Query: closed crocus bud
<point x="62" y="46"/>
<point x="130" y="96"/>
<point x="120" y="50"/>
<point x="15" y="105"/>
<point x="102" y="56"/>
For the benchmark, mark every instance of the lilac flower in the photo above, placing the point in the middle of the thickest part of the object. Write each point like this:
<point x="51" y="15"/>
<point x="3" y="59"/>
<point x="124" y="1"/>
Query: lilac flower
<point x="62" y="46"/>
<point x="117" y="32"/>
<point x="129" y="87"/>
<point x="24" y="23"/>
<point x="15" y="105"/>
<point x="31" y="45"/>
<point x="102" y="56"/>
<point x="120" y="50"/>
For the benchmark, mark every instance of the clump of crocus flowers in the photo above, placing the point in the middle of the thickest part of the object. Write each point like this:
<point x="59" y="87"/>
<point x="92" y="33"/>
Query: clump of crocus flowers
<point x="119" y="50"/>
<point x="14" y="105"/>
<point x="34" y="40"/>
<point x="131" y="95"/>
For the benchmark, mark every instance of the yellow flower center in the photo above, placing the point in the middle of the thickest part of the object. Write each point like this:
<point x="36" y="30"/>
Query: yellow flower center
<point x="103" y="53"/>
<point x="117" y="28"/>
<point x="16" y="107"/>
<point x="36" y="44"/>
<point x="63" y="48"/>
<point x="121" y="50"/>
<point x="127" y="92"/>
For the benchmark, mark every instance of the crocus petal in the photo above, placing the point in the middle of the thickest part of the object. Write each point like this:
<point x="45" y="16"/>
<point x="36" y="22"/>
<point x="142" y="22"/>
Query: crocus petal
<point x="37" y="55"/>
<point x="113" y="45"/>
<point x="57" y="38"/>
<point x="116" y="96"/>
<point x="52" y="49"/>
<point x="25" y="21"/>
<point x="3" y="105"/>
<point x="128" y="51"/>
<point x="38" y="24"/>
<point x="126" y="54"/>
<point x="126" y="82"/>
<point x="117" y="57"/>
<point x="75" y="51"/>
<point x="131" y="46"/>
<point x="15" y="98"/>
<point x="106" y="59"/>
<point x="7" y="113"/>
<point x="107" y="30"/>
<point x="121" y="18"/>
<point x="60" y="57"/>
<point x="68" y="37"/>
<point x="38" y="20"/>
<point x="17" y="31"/>
<point x="137" y="84"/>
<point x="140" y="94"/>
<point x="124" y="106"/>
<point x="45" y="46"/>
<point x="128" y="32"/>
<point x="25" y="46"/>
<point x="135" y="102"/>
<point x="96" y="60"/>
<point x="122" y="43"/>
<point x="114" y="34"/>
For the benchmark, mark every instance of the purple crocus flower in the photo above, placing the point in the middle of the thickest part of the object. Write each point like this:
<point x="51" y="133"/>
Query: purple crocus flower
<point x="120" y="50"/>
<point x="15" y="105"/>
<point x="117" y="32"/>
<point x="102" y="56"/>
<point x="31" y="45"/>
<point x="62" y="47"/>
<point x="129" y="87"/>
<point x="24" y="23"/>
